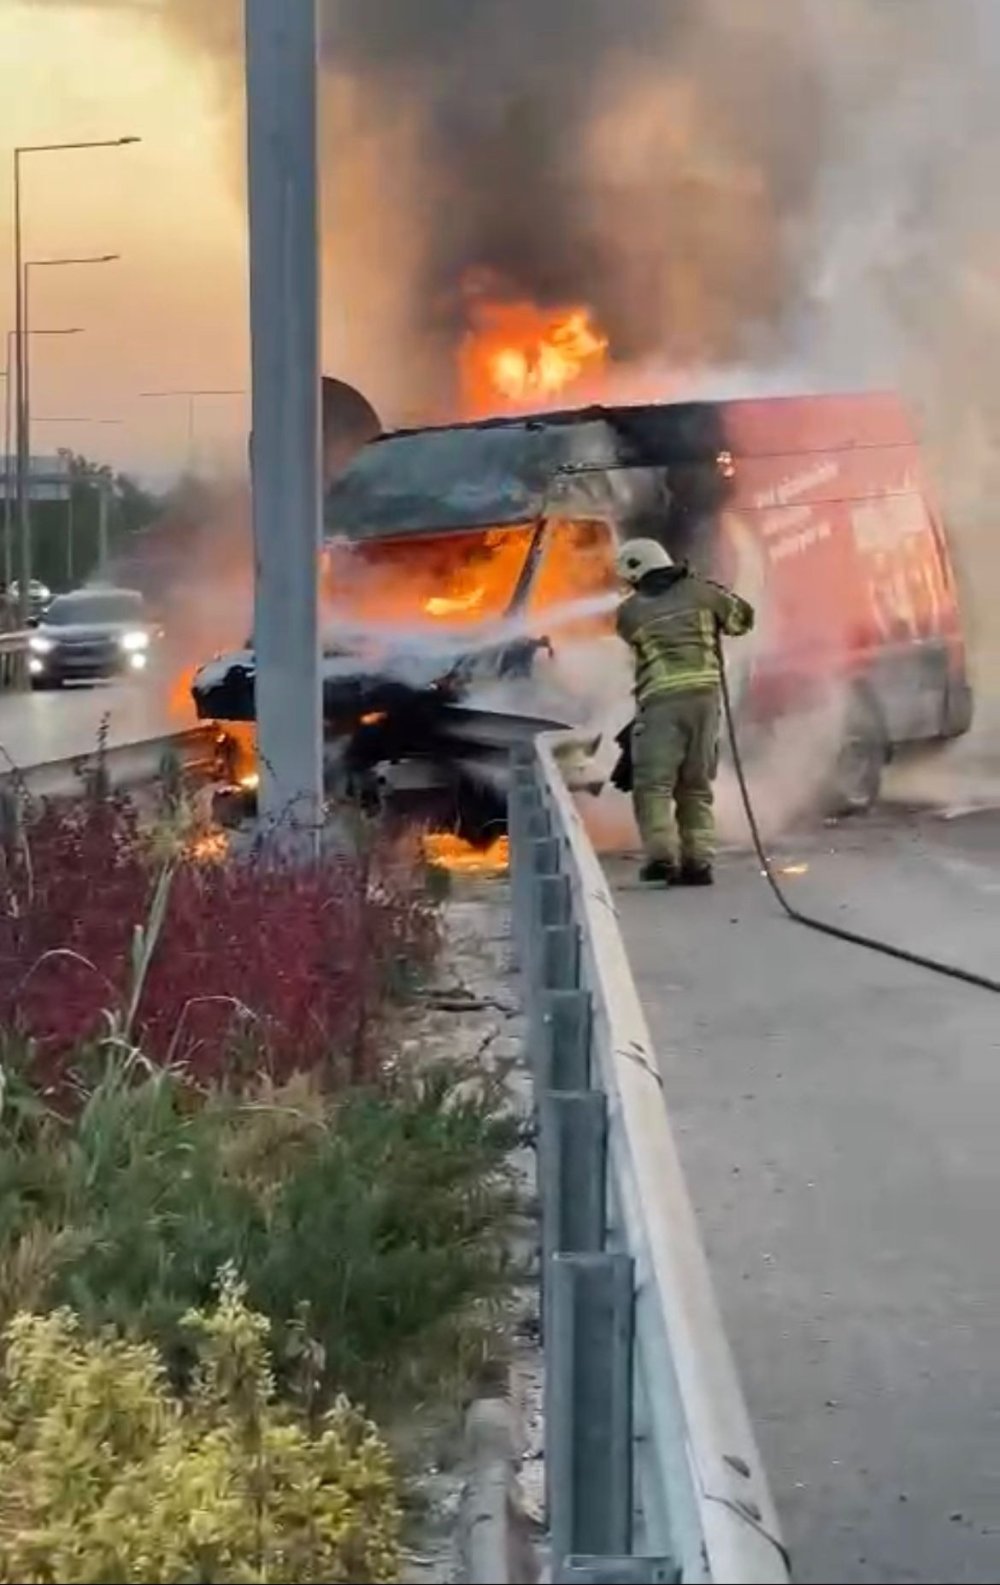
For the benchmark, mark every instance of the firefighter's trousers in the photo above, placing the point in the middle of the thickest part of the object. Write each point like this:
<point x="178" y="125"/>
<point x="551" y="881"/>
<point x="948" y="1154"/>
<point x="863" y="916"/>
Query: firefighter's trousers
<point x="675" y="750"/>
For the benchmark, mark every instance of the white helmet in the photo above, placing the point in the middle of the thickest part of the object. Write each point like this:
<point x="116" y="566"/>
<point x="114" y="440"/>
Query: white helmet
<point x="639" y="556"/>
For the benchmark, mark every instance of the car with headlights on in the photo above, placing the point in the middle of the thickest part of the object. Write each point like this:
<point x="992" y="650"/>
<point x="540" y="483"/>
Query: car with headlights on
<point x="39" y="598"/>
<point x="91" y="634"/>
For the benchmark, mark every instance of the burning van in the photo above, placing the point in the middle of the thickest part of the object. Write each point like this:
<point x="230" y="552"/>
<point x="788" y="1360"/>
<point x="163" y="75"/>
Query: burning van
<point x="457" y="558"/>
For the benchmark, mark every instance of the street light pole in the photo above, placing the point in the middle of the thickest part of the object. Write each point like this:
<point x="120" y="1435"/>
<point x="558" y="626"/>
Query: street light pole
<point x="24" y="519"/>
<point x="24" y="540"/>
<point x="281" y="45"/>
<point x="191" y="397"/>
<point x="103" y="502"/>
<point x="8" y="459"/>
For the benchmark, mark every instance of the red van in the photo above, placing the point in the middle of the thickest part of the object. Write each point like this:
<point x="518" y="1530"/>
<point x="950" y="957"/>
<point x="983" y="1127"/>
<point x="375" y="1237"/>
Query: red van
<point x="815" y="507"/>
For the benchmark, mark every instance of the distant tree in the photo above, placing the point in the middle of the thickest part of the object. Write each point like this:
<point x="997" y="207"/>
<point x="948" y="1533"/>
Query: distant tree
<point x="65" y="534"/>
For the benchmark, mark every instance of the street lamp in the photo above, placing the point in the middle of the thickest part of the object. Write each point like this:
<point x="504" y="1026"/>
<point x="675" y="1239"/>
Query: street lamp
<point x="191" y="397"/>
<point x="24" y="426"/>
<point x="19" y="336"/>
<point x="8" y="493"/>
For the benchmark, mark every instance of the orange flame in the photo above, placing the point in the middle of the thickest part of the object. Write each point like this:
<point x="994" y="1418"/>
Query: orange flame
<point x="455" y="604"/>
<point x="519" y="355"/>
<point x="236" y="747"/>
<point x="209" y="847"/>
<point x="444" y="850"/>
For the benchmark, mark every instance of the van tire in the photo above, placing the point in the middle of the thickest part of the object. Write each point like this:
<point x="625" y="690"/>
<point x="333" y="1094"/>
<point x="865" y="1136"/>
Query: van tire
<point x="856" y="777"/>
<point x="959" y="710"/>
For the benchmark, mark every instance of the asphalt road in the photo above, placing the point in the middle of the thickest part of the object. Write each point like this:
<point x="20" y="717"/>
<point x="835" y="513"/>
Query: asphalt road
<point x="838" y="1116"/>
<point x="36" y="728"/>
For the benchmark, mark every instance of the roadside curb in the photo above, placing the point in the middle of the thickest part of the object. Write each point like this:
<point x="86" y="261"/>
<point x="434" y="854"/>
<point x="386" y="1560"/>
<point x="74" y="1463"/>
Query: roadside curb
<point x="494" y="1544"/>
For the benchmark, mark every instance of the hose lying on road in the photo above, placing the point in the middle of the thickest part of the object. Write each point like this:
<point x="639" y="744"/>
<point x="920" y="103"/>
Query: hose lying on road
<point x="853" y="937"/>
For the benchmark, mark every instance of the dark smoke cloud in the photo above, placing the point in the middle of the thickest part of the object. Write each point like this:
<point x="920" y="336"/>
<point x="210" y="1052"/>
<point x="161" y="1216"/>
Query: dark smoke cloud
<point x="633" y="155"/>
<point x="538" y="126"/>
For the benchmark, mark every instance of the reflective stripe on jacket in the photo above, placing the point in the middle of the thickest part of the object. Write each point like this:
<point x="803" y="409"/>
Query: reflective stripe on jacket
<point x="670" y="622"/>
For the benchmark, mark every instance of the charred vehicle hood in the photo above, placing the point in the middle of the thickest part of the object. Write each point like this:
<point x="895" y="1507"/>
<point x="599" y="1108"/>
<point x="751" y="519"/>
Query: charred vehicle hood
<point x="356" y="685"/>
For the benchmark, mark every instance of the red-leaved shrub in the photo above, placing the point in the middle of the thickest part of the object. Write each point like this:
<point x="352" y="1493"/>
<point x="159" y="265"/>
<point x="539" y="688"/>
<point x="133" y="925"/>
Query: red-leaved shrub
<point x="258" y="959"/>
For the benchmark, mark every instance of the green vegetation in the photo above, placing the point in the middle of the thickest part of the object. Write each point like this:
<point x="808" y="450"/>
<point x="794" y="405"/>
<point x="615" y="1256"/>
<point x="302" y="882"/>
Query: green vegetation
<point x="194" y="1087"/>
<point x="130" y="509"/>
<point x="368" y="1227"/>
<point x="105" y="1474"/>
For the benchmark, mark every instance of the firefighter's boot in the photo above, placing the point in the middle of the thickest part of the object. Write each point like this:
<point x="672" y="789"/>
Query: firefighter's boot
<point x="692" y="874"/>
<point x="658" y="872"/>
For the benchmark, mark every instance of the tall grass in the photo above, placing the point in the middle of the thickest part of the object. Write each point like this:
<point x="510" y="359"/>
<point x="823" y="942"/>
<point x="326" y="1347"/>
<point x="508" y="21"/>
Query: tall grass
<point x="368" y="1228"/>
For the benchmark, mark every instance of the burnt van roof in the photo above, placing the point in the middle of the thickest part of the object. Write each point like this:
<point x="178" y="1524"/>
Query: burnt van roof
<point x="500" y="471"/>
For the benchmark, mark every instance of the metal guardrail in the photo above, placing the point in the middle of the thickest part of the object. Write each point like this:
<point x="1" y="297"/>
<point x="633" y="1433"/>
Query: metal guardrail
<point x="121" y="764"/>
<point x="12" y="647"/>
<point x="652" y="1469"/>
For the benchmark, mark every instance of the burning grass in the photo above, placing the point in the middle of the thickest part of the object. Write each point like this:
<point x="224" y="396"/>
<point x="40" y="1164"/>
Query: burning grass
<point x="446" y="850"/>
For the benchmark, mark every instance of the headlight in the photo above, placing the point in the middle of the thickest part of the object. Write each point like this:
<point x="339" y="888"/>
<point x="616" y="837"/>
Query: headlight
<point x="39" y="645"/>
<point x="134" y="641"/>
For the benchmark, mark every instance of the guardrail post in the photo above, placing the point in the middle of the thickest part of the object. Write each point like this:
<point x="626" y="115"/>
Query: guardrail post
<point x="535" y="846"/>
<point x="541" y="856"/>
<point x="552" y="963"/>
<point x="562" y="1052"/>
<point x="589" y="1405"/>
<point x="522" y="789"/>
<point x="548" y="898"/>
<point x="558" y="961"/>
<point x="552" y="901"/>
<point x="572" y="1162"/>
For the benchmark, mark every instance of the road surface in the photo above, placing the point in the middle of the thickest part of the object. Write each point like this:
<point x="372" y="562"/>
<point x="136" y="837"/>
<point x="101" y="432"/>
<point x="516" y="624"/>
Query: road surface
<point x="838" y="1115"/>
<point x="36" y="728"/>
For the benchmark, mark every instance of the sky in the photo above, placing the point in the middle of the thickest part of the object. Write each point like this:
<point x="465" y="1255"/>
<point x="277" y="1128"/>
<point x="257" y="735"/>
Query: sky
<point x="172" y="313"/>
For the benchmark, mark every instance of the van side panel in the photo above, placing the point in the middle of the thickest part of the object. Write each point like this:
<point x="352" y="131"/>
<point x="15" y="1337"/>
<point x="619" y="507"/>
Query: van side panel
<point x="840" y="544"/>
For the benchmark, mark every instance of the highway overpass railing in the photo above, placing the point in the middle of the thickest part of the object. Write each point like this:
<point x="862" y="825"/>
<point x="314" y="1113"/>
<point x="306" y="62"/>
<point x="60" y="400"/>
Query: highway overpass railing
<point x="652" y="1468"/>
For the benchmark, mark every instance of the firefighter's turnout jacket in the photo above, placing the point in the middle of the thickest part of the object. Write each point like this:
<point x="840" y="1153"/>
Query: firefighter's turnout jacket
<point x="671" y="622"/>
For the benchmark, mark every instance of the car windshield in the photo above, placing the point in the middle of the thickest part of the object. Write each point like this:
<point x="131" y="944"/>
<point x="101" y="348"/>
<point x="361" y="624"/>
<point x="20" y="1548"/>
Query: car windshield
<point x="451" y="579"/>
<point x="460" y="580"/>
<point x="110" y="606"/>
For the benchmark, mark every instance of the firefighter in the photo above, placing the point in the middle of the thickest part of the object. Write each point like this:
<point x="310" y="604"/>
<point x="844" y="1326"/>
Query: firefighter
<point x="671" y="620"/>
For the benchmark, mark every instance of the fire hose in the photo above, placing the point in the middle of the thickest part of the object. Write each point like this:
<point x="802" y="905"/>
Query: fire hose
<point x="810" y="921"/>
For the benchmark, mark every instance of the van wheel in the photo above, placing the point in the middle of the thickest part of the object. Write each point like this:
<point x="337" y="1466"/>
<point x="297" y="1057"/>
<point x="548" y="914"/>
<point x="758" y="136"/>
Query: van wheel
<point x="856" y="778"/>
<point x="959" y="710"/>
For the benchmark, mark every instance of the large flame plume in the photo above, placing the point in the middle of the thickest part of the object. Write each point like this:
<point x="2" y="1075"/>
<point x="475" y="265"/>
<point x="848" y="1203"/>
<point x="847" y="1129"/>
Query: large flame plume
<point x="516" y="355"/>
